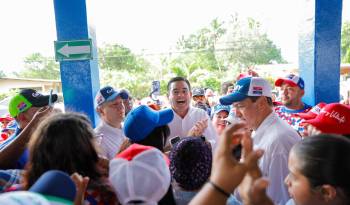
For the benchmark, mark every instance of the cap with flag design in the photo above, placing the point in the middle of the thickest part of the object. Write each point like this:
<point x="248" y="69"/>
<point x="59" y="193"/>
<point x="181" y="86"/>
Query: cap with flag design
<point x="107" y="94"/>
<point x="26" y="99"/>
<point x="311" y="114"/>
<point x="292" y="80"/>
<point x="245" y="87"/>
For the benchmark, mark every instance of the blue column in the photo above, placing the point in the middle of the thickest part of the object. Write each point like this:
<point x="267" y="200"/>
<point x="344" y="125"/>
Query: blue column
<point x="319" y="50"/>
<point x="80" y="79"/>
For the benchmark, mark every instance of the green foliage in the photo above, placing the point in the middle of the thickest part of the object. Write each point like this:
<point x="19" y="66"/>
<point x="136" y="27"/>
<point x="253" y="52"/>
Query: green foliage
<point x="40" y="67"/>
<point x="118" y="57"/>
<point x="10" y="93"/>
<point x="246" y="45"/>
<point x="139" y="84"/>
<point x="345" y="42"/>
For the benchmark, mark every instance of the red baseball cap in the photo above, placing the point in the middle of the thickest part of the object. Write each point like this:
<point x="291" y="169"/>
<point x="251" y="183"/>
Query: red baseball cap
<point x="334" y="118"/>
<point x="242" y="75"/>
<point x="314" y="112"/>
<point x="6" y="118"/>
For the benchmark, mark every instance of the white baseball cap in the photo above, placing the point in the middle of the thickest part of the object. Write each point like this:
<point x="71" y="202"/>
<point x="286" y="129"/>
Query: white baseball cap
<point x="140" y="174"/>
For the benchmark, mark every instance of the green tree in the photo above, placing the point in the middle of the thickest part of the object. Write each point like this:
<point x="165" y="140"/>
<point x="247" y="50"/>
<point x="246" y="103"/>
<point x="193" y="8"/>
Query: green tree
<point x="118" y="57"/>
<point x="218" y="52"/>
<point x="246" y="45"/>
<point x="345" y="42"/>
<point x="121" y="68"/>
<point x="38" y="66"/>
<point x="199" y="48"/>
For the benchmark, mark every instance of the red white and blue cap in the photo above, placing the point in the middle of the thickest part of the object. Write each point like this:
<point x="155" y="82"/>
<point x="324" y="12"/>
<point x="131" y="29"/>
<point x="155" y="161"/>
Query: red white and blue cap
<point x="314" y="112"/>
<point x="292" y="80"/>
<point x="249" y="86"/>
<point x="107" y="94"/>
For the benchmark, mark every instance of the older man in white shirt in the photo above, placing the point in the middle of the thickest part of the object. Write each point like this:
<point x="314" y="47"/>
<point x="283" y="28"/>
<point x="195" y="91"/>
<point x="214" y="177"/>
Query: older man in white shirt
<point x="186" y="117"/>
<point x="252" y="102"/>
<point x="110" y="107"/>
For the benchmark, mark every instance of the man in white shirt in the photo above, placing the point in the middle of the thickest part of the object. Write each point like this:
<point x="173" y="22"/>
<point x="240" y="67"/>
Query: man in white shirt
<point x="252" y="101"/>
<point x="186" y="117"/>
<point x="109" y="106"/>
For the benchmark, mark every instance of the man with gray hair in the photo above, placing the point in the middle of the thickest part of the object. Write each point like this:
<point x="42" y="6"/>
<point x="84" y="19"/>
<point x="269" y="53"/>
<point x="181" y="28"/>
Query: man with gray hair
<point x="252" y="103"/>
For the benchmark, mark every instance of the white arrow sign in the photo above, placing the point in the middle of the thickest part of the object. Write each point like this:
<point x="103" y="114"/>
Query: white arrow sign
<point x="67" y="50"/>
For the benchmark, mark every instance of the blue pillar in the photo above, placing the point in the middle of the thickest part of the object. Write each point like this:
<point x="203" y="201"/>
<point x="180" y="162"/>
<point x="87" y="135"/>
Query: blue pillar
<point x="319" y="50"/>
<point x="80" y="79"/>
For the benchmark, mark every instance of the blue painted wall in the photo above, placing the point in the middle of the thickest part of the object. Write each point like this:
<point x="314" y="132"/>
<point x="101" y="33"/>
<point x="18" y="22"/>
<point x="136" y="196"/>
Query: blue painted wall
<point x="80" y="79"/>
<point x="319" y="50"/>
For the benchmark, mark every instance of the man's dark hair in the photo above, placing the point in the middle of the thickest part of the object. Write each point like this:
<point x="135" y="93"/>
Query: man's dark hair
<point x="225" y="86"/>
<point x="178" y="78"/>
<point x="325" y="160"/>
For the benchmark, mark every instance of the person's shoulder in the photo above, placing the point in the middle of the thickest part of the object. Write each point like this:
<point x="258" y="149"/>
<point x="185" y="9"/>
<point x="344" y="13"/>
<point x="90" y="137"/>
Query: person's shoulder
<point x="282" y="129"/>
<point x="99" y="128"/>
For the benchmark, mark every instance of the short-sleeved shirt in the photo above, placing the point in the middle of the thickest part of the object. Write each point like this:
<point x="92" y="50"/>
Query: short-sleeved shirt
<point x="111" y="139"/>
<point x="291" y="117"/>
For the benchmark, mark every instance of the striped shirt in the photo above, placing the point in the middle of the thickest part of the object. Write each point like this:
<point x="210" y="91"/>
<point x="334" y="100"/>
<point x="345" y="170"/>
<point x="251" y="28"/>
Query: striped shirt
<point x="111" y="139"/>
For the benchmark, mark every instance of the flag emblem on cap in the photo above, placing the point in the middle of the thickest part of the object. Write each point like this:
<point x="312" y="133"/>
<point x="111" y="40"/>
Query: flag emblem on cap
<point x="21" y="106"/>
<point x="257" y="90"/>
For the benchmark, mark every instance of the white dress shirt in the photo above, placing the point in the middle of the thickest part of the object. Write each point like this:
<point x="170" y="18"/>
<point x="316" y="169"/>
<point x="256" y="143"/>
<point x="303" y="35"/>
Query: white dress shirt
<point x="181" y="126"/>
<point x="276" y="138"/>
<point x="111" y="139"/>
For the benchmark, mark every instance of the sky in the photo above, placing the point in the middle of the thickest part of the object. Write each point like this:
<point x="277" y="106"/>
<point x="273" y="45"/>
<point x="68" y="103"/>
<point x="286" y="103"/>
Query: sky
<point x="151" y="26"/>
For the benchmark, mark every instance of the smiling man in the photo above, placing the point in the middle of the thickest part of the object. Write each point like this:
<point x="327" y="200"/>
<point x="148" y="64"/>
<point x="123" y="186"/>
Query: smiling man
<point x="187" y="117"/>
<point x="110" y="108"/>
<point x="252" y="101"/>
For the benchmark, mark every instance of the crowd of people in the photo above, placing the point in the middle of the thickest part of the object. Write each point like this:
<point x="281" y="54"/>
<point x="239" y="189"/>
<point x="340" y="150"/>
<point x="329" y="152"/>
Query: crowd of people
<point x="248" y="147"/>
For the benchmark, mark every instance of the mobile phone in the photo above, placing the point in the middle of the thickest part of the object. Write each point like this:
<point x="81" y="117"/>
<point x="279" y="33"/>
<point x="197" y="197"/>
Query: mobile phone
<point x="174" y="140"/>
<point x="50" y="98"/>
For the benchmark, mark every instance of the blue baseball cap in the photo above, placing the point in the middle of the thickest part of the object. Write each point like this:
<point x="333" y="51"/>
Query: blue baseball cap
<point x="218" y="108"/>
<point x="107" y="94"/>
<point x="55" y="186"/>
<point x="248" y="86"/>
<point x="141" y="121"/>
<point x="292" y="80"/>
